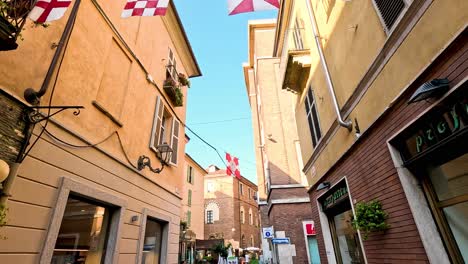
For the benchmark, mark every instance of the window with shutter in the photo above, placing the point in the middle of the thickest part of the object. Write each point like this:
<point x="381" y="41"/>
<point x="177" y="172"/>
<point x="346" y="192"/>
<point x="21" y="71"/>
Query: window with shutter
<point x="189" y="202"/>
<point x="312" y="117"/>
<point x="389" y="11"/>
<point x="156" y="134"/>
<point x="174" y="140"/>
<point x="165" y="130"/>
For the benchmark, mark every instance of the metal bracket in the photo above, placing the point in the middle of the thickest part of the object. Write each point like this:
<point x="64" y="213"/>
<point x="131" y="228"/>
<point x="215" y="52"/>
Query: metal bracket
<point x="35" y="116"/>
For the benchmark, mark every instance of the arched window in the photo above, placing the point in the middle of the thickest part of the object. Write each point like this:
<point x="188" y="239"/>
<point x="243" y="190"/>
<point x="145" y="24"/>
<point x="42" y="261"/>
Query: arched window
<point x="250" y="216"/>
<point x="243" y="242"/>
<point x="252" y="241"/>
<point x="211" y="213"/>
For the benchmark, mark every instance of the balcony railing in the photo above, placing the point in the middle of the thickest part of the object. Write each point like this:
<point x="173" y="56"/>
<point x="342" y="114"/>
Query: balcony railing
<point x="295" y="61"/>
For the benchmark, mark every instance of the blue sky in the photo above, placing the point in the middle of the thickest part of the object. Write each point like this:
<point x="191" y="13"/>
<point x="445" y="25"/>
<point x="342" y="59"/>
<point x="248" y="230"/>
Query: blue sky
<point x="220" y="45"/>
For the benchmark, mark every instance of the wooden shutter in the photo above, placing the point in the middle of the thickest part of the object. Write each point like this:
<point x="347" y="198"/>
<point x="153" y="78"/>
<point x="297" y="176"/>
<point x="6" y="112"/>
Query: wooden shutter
<point x="157" y="122"/>
<point x="174" y="140"/>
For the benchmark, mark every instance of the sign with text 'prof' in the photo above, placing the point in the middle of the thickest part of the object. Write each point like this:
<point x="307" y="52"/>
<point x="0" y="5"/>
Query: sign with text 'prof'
<point x="268" y="232"/>
<point x="284" y="240"/>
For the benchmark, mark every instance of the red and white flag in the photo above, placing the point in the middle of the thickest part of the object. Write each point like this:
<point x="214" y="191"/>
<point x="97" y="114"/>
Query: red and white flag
<point x="232" y="166"/>
<point x="48" y="10"/>
<point x="145" y="8"/>
<point x="243" y="6"/>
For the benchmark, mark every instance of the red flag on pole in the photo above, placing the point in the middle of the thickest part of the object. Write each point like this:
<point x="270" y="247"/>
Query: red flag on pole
<point x="48" y="10"/>
<point x="233" y="166"/>
<point x="145" y="8"/>
<point x="243" y="6"/>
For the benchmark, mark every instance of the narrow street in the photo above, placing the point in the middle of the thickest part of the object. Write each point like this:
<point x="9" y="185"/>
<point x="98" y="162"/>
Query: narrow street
<point x="233" y="132"/>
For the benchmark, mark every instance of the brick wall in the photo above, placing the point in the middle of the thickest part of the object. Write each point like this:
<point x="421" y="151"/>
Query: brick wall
<point x="288" y="218"/>
<point x="371" y="174"/>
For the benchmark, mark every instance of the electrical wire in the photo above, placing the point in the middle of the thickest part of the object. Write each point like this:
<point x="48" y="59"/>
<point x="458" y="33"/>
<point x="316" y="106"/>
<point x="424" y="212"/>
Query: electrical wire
<point x="51" y="93"/>
<point x="63" y="142"/>
<point x="220" y="121"/>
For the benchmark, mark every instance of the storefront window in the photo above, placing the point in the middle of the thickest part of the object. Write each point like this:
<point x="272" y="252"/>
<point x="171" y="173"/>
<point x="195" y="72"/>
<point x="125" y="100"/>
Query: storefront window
<point x="450" y="184"/>
<point x="346" y="238"/>
<point x="83" y="233"/>
<point x="152" y="242"/>
<point x="337" y="207"/>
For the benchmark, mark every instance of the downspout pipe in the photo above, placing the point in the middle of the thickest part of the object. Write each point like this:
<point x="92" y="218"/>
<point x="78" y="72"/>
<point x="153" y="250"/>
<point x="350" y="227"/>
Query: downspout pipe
<point x="30" y="95"/>
<point x="348" y="123"/>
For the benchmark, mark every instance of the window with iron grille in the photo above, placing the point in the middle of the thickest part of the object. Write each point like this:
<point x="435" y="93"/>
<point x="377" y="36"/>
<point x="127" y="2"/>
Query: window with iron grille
<point x="389" y="11"/>
<point x="312" y="117"/>
<point x="209" y="217"/>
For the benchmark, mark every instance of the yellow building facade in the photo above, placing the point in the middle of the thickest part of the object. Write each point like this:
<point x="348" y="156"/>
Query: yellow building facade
<point x="351" y="73"/>
<point x="85" y="191"/>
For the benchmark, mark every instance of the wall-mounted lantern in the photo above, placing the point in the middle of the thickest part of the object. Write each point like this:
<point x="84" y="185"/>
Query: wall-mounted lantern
<point x="164" y="153"/>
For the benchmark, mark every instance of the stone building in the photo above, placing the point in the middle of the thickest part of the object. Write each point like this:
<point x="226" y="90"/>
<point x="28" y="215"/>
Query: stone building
<point x="231" y="209"/>
<point x="92" y="187"/>
<point x="283" y="199"/>
<point x="192" y="210"/>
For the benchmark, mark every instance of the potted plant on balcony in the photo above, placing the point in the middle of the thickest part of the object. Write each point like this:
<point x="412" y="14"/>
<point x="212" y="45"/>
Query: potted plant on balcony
<point x="184" y="80"/>
<point x="13" y="14"/>
<point x="174" y="92"/>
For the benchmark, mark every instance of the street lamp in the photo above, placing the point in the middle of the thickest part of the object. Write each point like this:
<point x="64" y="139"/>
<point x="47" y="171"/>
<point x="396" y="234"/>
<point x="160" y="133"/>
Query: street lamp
<point x="4" y="170"/>
<point x="164" y="153"/>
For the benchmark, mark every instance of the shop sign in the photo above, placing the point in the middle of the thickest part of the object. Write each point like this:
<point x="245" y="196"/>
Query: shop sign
<point x="335" y="197"/>
<point x="310" y="229"/>
<point x="268" y="232"/>
<point x="437" y="125"/>
<point x="284" y="240"/>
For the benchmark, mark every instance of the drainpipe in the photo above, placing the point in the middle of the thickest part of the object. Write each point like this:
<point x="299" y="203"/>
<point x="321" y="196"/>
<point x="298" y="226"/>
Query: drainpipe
<point x="348" y="123"/>
<point x="33" y="97"/>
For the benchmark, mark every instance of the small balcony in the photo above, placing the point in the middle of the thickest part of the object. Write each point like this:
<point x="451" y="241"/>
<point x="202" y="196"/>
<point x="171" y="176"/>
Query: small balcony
<point x="172" y="85"/>
<point x="295" y="61"/>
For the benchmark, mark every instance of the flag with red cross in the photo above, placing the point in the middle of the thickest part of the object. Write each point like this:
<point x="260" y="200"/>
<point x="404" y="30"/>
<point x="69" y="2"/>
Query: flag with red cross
<point x="48" y="10"/>
<point x="232" y="166"/>
<point x="145" y="8"/>
<point x="243" y="6"/>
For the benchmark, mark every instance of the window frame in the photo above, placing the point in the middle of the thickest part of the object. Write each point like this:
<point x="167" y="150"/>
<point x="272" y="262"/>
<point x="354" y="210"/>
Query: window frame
<point x="73" y="188"/>
<point x="241" y="189"/>
<point x="190" y="175"/>
<point x="297" y="35"/>
<point x="166" y="230"/>
<point x="208" y="218"/>
<point x="316" y="134"/>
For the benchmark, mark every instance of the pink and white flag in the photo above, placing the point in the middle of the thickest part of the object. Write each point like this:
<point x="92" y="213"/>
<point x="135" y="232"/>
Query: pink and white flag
<point x="48" y="10"/>
<point x="243" y="6"/>
<point x="145" y="8"/>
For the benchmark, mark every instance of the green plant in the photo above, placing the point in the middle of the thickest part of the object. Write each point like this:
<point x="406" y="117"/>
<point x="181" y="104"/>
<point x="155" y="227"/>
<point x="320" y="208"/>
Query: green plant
<point x="184" y="80"/>
<point x="179" y="97"/>
<point x="170" y="82"/>
<point x="370" y="217"/>
<point x="3" y="215"/>
<point x="183" y="225"/>
<point x="222" y="250"/>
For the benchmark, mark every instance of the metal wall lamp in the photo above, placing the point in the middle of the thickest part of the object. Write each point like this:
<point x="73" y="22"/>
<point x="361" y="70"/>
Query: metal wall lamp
<point x="434" y="88"/>
<point x="164" y="153"/>
<point x="323" y="185"/>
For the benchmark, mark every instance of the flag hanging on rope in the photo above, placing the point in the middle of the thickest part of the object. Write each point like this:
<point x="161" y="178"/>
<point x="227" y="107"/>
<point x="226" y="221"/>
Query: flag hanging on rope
<point x="232" y="166"/>
<point x="48" y="10"/>
<point x="243" y="6"/>
<point x="145" y="8"/>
